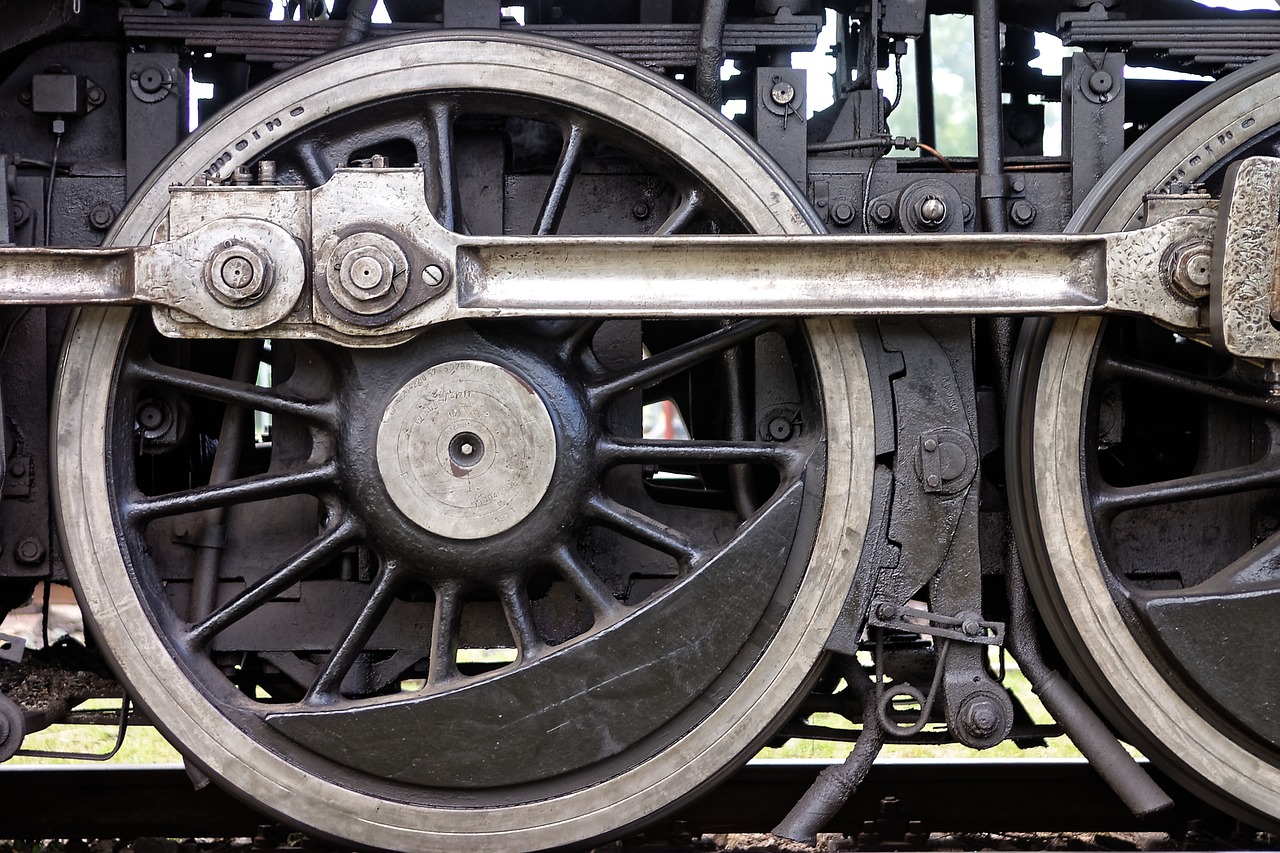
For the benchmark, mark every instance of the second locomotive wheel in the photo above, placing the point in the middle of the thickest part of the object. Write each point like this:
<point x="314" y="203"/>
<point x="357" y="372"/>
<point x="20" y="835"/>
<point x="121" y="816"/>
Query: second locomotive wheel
<point x="450" y="594"/>
<point x="1149" y="486"/>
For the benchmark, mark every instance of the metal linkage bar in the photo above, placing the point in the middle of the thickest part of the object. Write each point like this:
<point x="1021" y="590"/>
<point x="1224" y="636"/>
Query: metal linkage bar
<point x="362" y="257"/>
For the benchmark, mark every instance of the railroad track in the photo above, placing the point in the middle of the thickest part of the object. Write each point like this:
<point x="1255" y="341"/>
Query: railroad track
<point x="977" y="796"/>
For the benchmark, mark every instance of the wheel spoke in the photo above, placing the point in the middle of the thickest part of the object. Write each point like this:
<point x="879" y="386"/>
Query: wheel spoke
<point x="1255" y="570"/>
<point x="640" y="527"/>
<point x="314" y="164"/>
<point x="679" y="219"/>
<point x="444" y="634"/>
<point x="620" y="451"/>
<point x="553" y="204"/>
<point x="230" y="391"/>
<point x="586" y="583"/>
<point x="442" y="189"/>
<point x="328" y="685"/>
<point x="245" y="490"/>
<point x="1110" y="366"/>
<point x="679" y="358"/>
<point x="1111" y="500"/>
<point x="515" y="604"/>
<point x="311" y="557"/>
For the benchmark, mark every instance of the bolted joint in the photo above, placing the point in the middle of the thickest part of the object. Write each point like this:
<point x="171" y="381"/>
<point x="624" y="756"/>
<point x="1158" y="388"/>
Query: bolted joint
<point x="980" y="716"/>
<point x="1186" y="268"/>
<point x="982" y="719"/>
<point x="238" y="274"/>
<point x="368" y="273"/>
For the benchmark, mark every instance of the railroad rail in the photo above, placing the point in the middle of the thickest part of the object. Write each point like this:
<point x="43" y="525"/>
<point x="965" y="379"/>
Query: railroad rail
<point x="897" y="799"/>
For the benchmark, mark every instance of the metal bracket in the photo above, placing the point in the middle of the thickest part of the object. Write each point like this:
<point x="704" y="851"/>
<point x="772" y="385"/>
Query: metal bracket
<point x="12" y="648"/>
<point x="885" y="614"/>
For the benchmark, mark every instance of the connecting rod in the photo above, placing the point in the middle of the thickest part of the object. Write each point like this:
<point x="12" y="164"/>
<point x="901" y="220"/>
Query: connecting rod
<point x="285" y="261"/>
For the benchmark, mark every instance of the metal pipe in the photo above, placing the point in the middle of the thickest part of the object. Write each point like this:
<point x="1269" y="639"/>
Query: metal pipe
<point x="711" y="51"/>
<point x="836" y="784"/>
<point x="986" y="61"/>
<point x="204" y="582"/>
<point x="928" y="131"/>
<point x="1087" y="731"/>
<point x="359" y="18"/>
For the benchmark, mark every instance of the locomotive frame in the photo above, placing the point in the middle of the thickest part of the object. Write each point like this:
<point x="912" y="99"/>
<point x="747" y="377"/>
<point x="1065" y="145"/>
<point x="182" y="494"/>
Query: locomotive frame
<point x="352" y="480"/>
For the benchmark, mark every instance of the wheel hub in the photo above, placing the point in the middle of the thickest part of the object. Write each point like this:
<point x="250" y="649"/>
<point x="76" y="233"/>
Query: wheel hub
<point x="466" y="449"/>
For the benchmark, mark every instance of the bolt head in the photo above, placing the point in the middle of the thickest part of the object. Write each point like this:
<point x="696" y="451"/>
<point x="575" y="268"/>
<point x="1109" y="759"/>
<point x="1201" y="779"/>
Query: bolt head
<point x="238" y="274"/>
<point x="29" y="552"/>
<point x="1187" y="269"/>
<point x="782" y="93"/>
<point x="842" y="213"/>
<point x="882" y="212"/>
<point x="1023" y="212"/>
<point x="779" y="428"/>
<point x="933" y="210"/>
<point x="887" y="612"/>
<point x="101" y="216"/>
<point x="150" y="80"/>
<point x="981" y="717"/>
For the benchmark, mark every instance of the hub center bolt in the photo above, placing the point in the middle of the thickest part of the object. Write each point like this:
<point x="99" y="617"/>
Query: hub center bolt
<point x="933" y="210"/>
<point x="237" y="274"/>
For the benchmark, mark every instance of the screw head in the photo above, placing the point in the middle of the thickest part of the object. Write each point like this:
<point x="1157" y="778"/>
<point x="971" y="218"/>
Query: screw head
<point x="933" y="210"/>
<point x="433" y="274"/>
<point x="101" y="216"/>
<point x="29" y="552"/>
<point x="782" y="93"/>
<point x="150" y="79"/>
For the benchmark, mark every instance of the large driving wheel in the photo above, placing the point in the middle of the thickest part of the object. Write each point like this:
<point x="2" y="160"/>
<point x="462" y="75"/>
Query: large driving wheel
<point x="1147" y="472"/>
<point x="451" y="594"/>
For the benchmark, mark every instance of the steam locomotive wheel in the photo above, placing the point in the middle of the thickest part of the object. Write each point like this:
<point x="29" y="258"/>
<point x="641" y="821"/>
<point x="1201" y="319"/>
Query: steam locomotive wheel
<point x="1148" y="482"/>
<point x="446" y="594"/>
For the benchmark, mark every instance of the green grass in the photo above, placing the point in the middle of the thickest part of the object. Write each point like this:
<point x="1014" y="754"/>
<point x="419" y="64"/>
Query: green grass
<point x="142" y="744"/>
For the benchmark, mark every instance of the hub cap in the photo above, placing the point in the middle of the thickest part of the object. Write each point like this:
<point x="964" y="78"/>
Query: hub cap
<point x="466" y="449"/>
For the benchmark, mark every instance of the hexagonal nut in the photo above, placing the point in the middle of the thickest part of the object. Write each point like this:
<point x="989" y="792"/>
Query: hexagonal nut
<point x="238" y="274"/>
<point x="1186" y="269"/>
<point x="367" y="273"/>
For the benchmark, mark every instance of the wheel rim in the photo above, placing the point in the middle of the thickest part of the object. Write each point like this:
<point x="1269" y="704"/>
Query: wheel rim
<point x="1122" y="425"/>
<point x="320" y="751"/>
